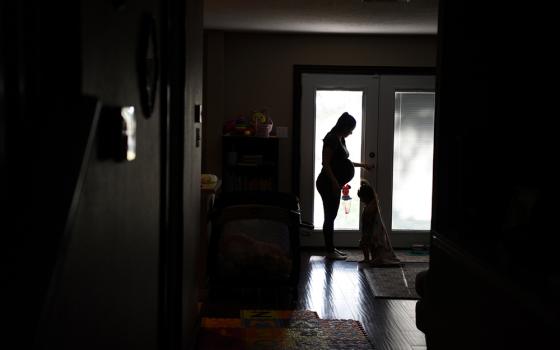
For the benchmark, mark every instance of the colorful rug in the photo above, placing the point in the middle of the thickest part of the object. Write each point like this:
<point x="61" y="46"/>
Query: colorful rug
<point x="281" y="330"/>
<point x="405" y="256"/>
<point x="394" y="282"/>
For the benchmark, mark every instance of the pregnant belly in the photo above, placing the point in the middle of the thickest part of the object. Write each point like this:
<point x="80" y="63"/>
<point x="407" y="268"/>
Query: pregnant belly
<point x="344" y="171"/>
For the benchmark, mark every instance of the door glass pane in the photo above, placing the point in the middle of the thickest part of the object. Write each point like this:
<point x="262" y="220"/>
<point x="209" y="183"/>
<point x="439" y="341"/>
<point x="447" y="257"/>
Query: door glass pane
<point x="413" y="160"/>
<point x="329" y="105"/>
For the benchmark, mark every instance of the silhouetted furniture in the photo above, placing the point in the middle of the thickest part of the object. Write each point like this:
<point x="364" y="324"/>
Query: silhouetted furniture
<point x="254" y="246"/>
<point x="208" y="195"/>
<point x="420" y="286"/>
<point x="250" y="163"/>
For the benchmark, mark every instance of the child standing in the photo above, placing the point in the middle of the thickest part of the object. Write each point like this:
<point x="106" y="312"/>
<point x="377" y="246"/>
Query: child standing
<point x="375" y="243"/>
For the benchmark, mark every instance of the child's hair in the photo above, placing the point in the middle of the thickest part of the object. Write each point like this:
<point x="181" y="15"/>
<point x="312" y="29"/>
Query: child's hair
<point x="366" y="192"/>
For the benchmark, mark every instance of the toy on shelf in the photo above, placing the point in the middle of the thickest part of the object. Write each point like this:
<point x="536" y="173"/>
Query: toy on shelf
<point x="239" y="126"/>
<point x="258" y="124"/>
<point x="262" y="123"/>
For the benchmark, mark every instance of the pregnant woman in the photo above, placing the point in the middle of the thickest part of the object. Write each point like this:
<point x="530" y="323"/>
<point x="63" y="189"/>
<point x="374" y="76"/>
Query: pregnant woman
<point x="337" y="170"/>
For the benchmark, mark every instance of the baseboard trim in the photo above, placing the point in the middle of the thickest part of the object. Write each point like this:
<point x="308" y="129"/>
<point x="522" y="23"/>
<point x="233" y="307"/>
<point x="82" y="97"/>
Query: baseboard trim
<point x="350" y="239"/>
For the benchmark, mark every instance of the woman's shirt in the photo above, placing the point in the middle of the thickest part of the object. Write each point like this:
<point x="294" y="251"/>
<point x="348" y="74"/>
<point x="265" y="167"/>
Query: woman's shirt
<point x="341" y="166"/>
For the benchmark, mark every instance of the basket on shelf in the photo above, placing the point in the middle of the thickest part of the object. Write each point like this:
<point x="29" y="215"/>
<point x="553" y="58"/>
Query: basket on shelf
<point x="263" y="130"/>
<point x="263" y="124"/>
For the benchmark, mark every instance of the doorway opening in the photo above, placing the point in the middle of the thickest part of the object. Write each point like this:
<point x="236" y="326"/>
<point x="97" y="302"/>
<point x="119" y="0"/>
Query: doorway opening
<point x="330" y="104"/>
<point x="394" y="133"/>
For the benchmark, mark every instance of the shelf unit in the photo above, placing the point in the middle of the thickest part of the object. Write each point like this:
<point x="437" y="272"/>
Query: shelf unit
<point x="249" y="163"/>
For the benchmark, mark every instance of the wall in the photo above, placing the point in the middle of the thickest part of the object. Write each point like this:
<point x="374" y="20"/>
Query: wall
<point x="39" y="86"/>
<point x="191" y="168"/>
<point x="493" y="267"/>
<point x="248" y="71"/>
<point x="129" y="266"/>
<point x="108" y="296"/>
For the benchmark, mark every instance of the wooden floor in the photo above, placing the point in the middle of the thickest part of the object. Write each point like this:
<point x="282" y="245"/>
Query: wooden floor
<point x="339" y="290"/>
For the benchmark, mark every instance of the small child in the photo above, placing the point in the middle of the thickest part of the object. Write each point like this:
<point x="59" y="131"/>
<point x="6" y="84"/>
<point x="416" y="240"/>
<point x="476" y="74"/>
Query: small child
<point x="375" y="243"/>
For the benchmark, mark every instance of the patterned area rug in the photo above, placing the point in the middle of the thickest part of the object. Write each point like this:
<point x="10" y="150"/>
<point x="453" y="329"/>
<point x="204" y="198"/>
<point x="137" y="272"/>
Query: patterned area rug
<point x="405" y="256"/>
<point x="394" y="282"/>
<point x="281" y="330"/>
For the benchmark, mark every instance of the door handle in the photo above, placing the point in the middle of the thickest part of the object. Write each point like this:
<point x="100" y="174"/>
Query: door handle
<point x="372" y="154"/>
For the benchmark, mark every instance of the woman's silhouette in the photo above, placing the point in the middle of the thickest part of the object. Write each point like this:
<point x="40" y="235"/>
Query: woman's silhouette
<point x="336" y="172"/>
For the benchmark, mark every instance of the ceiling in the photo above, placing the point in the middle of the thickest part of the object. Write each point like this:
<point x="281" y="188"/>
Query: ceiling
<point x="323" y="16"/>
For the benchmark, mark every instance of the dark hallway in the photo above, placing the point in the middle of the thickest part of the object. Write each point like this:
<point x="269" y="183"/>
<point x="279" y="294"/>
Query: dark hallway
<point x="101" y="251"/>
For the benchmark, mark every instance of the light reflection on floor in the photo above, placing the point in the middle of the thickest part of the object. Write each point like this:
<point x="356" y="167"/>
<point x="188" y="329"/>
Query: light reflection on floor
<point x="332" y="289"/>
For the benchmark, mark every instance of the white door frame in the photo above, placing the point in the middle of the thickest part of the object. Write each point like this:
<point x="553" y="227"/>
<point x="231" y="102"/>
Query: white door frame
<point x="311" y="82"/>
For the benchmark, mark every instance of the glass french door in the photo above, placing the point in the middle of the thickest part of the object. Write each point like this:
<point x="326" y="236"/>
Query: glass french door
<point x="394" y="132"/>
<point x="405" y="162"/>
